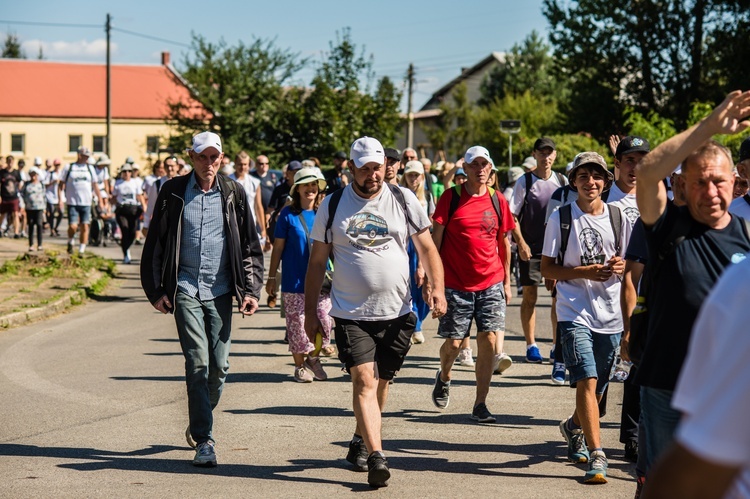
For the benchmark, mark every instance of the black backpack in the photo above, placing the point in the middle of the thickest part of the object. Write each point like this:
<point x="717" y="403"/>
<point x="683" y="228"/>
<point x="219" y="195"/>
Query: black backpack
<point x="566" y="219"/>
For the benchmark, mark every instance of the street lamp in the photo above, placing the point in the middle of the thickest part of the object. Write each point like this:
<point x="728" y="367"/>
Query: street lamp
<point x="510" y="127"/>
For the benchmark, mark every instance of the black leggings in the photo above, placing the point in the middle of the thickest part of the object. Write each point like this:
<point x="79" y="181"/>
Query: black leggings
<point x="54" y="216"/>
<point x="127" y="216"/>
<point x="35" y="218"/>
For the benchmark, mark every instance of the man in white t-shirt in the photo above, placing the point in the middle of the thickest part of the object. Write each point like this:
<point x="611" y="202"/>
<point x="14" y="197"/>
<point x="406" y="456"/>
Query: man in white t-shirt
<point x="368" y="234"/>
<point x="741" y="205"/>
<point x="251" y="185"/>
<point x="78" y="183"/>
<point x="629" y="152"/>
<point x="587" y="266"/>
<point x="101" y="172"/>
<point x="528" y="204"/>
<point x="711" y="456"/>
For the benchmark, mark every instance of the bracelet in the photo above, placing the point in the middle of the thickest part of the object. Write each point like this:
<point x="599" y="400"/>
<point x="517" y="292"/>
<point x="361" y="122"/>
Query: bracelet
<point x="272" y="277"/>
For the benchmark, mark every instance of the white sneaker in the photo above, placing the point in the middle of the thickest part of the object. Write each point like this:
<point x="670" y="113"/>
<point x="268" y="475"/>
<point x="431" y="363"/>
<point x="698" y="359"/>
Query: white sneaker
<point x="417" y="337"/>
<point x="465" y="357"/>
<point x="501" y="362"/>
<point x="205" y="455"/>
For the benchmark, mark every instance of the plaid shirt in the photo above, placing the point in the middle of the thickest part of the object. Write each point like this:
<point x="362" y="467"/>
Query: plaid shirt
<point x="204" y="270"/>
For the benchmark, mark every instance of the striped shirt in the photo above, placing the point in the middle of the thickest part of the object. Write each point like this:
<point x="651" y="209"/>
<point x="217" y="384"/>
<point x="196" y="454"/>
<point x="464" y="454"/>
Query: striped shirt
<point x="205" y="270"/>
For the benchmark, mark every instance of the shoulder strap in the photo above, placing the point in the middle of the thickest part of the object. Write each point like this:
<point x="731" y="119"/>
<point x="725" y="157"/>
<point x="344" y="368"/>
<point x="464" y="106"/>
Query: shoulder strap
<point x="566" y="216"/>
<point x="605" y="195"/>
<point x="455" y="198"/>
<point x="561" y="179"/>
<point x="528" y="180"/>
<point x="679" y="232"/>
<point x="396" y="191"/>
<point x="615" y="218"/>
<point x="496" y="204"/>
<point x="333" y="203"/>
<point x="746" y="197"/>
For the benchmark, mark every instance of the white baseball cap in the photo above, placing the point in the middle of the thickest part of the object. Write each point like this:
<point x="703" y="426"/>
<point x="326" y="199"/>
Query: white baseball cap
<point x="366" y="150"/>
<point x="37" y="161"/>
<point x="475" y="152"/>
<point x="204" y="140"/>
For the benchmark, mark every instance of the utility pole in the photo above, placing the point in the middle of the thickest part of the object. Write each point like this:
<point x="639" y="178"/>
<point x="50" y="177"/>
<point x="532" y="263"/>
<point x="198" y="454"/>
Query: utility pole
<point x="410" y="124"/>
<point x="108" y="29"/>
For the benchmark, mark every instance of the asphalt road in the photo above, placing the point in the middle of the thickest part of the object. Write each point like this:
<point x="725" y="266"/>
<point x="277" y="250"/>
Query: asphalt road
<point x="94" y="405"/>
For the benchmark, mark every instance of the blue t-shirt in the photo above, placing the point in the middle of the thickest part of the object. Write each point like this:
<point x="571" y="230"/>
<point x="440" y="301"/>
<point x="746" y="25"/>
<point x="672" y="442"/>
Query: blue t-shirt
<point x="296" y="252"/>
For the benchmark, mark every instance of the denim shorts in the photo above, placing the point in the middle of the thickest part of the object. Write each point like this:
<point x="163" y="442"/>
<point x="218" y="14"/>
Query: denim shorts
<point x="587" y="354"/>
<point x="487" y="307"/>
<point x="76" y="213"/>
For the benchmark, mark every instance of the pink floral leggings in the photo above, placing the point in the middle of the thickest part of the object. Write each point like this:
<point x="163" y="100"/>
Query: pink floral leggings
<point x="294" y="309"/>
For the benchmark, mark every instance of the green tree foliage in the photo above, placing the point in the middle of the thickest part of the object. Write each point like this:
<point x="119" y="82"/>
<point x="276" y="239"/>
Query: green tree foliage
<point x="12" y="48"/>
<point x="652" y="127"/>
<point x="539" y="116"/>
<point x="646" y="55"/>
<point x="455" y="129"/>
<point x="528" y="67"/>
<point x="249" y="99"/>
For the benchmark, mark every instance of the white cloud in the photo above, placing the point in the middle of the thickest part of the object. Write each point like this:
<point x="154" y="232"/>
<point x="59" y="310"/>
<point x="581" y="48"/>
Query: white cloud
<point x="82" y="50"/>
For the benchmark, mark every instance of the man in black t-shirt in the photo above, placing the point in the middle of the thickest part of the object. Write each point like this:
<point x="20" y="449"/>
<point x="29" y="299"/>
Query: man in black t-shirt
<point x="708" y="239"/>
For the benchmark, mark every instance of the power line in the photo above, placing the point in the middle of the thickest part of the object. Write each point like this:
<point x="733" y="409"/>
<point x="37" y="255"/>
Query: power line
<point x="150" y="37"/>
<point x="56" y="25"/>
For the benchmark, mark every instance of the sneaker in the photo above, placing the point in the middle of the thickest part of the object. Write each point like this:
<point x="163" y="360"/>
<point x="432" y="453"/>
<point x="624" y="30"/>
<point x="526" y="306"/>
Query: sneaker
<point x="597" y="472"/>
<point x="378" y="472"/>
<point x="205" y="455"/>
<point x="417" y="338"/>
<point x="465" y="357"/>
<point x="189" y="438"/>
<point x="441" y="396"/>
<point x="126" y="260"/>
<point x="558" y="373"/>
<point x="357" y="455"/>
<point x="501" y="362"/>
<point x="482" y="414"/>
<point x="577" y="451"/>
<point x="631" y="451"/>
<point x="16" y="236"/>
<point x="302" y="375"/>
<point x="313" y="365"/>
<point x="70" y="248"/>
<point x="31" y="248"/>
<point x="533" y="355"/>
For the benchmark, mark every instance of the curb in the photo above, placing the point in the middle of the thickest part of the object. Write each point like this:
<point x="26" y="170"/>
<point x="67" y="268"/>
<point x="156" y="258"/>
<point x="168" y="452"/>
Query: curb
<point x="71" y="298"/>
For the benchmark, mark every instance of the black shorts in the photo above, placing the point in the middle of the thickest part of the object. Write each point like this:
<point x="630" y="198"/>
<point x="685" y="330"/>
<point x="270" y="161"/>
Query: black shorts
<point x="531" y="271"/>
<point x="384" y="342"/>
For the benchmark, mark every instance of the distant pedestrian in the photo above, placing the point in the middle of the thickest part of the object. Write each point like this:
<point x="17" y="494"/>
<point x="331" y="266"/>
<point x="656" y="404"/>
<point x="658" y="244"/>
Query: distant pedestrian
<point x="131" y="204"/>
<point x="202" y="249"/>
<point x="78" y="183"/>
<point x="35" y="202"/>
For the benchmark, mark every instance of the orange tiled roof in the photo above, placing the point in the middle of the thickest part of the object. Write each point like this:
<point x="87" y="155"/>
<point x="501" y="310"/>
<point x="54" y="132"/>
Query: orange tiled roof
<point x="72" y="90"/>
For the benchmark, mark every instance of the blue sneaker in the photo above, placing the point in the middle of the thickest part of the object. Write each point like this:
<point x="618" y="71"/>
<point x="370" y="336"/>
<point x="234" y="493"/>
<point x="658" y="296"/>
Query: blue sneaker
<point x="558" y="373"/>
<point x="533" y="355"/>
<point x="577" y="451"/>
<point x="597" y="472"/>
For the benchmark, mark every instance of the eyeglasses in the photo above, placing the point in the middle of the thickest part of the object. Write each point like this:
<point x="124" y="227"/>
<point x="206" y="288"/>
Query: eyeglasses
<point x="262" y="163"/>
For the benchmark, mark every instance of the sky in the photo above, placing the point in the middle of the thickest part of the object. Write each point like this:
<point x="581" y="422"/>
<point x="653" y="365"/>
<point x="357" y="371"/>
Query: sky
<point x="438" y="36"/>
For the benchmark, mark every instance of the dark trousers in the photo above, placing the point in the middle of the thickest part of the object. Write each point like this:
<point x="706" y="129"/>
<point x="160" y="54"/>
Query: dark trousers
<point x="54" y="216"/>
<point x="35" y="219"/>
<point x="127" y="217"/>
<point x="631" y="409"/>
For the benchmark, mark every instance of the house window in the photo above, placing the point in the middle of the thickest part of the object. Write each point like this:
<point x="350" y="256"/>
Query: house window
<point x="99" y="143"/>
<point x="18" y="143"/>
<point x="74" y="142"/>
<point x="152" y="144"/>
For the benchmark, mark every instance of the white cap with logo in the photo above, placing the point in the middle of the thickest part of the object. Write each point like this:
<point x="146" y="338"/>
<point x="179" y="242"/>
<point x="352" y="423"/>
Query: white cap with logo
<point x="204" y="140"/>
<point x="367" y="150"/>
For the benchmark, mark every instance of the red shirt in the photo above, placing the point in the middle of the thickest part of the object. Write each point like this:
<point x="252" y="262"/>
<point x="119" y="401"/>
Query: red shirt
<point x="472" y="249"/>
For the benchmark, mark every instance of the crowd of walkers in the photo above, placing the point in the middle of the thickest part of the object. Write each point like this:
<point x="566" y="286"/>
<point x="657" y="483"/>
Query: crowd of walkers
<point x="362" y="253"/>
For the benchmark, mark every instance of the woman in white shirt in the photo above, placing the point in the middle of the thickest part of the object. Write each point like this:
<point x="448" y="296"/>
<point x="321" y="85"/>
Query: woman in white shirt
<point x="131" y="204"/>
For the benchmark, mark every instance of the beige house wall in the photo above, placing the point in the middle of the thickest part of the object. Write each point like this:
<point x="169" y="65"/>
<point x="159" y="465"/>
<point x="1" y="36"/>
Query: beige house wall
<point x="48" y="138"/>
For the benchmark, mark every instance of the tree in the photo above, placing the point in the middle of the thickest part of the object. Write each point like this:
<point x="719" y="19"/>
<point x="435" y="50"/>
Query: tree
<point x="12" y="48"/>
<point x="527" y="67"/>
<point x="646" y="54"/>
<point x="240" y="88"/>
